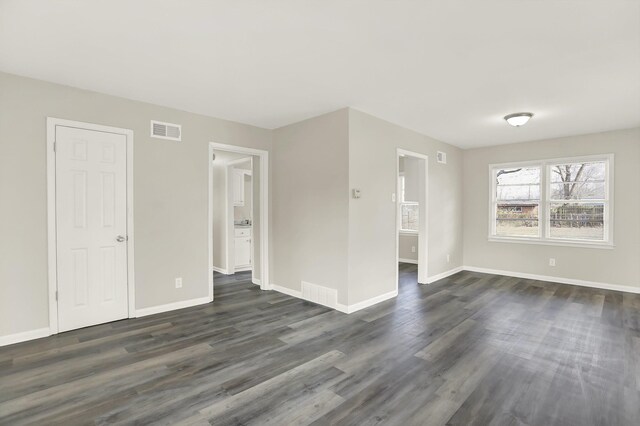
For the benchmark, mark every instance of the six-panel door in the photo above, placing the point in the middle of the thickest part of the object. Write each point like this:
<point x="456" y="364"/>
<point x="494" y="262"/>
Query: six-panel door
<point x="91" y="216"/>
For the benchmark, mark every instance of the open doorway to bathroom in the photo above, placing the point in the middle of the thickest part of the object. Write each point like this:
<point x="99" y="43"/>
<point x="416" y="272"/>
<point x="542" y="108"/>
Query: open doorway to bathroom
<point x="411" y="218"/>
<point x="238" y="216"/>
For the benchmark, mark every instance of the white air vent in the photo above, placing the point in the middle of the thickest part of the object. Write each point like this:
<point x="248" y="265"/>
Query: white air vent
<point x="168" y="131"/>
<point x="321" y="295"/>
<point x="442" y="157"/>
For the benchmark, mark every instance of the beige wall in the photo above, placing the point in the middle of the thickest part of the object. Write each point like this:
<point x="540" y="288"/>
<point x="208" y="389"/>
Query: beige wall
<point x="409" y="168"/>
<point x="256" y="224"/>
<point x="241" y="213"/>
<point x="372" y="226"/>
<point x="620" y="266"/>
<point x="170" y="193"/>
<point x="318" y="232"/>
<point x="310" y="203"/>
<point x="411" y="171"/>
<point x="405" y="243"/>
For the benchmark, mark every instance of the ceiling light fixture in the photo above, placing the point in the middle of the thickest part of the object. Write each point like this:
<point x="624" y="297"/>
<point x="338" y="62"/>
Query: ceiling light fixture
<point x="518" y="119"/>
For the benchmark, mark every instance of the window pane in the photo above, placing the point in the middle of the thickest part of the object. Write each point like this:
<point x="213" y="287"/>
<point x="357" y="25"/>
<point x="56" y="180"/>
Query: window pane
<point x="517" y="220"/>
<point x="518" y="199"/>
<point x="410" y="219"/>
<point x="518" y="175"/>
<point x="577" y="221"/>
<point x="577" y="191"/>
<point x="578" y="172"/>
<point x="518" y="183"/>
<point x="519" y="192"/>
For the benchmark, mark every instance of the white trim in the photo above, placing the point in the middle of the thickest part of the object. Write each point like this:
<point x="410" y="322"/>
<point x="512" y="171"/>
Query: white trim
<point x="544" y="221"/>
<point x="243" y="269"/>
<point x="212" y="268"/>
<point x="443" y="275"/>
<point x="554" y="242"/>
<point x="264" y="209"/>
<point x="172" y="306"/>
<point x="286" y="290"/>
<point x="370" y="302"/>
<point x="229" y="229"/>
<point x="256" y="281"/>
<point x="347" y="309"/>
<point x="51" y="213"/>
<point x="561" y="280"/>
<point x="413" y="261"/>
<point x="221" y="270"/>
<point x="408" y="231"/>
<point x="339" y="307"/>
<point x="23" y="336"/>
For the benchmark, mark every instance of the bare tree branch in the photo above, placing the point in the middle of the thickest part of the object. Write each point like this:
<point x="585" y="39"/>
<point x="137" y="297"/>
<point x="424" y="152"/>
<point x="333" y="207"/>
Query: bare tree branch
<point x="575" y="181"/>
<point x="505" y="172"/>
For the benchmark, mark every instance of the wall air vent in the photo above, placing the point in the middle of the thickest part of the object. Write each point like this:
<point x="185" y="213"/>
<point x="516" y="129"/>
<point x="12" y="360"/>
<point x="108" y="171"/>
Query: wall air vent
<point x="442" y="157"/>
<point x="160" y="130"/>
<point x="321" y="295"/>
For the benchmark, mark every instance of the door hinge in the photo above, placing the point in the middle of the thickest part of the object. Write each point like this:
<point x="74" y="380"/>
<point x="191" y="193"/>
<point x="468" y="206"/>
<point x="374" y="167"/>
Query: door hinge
<point x="54" y="146"/>
<point x="56" y="295"/>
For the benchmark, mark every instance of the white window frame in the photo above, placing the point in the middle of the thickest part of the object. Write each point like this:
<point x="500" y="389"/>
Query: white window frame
<point x="544" y="220"/>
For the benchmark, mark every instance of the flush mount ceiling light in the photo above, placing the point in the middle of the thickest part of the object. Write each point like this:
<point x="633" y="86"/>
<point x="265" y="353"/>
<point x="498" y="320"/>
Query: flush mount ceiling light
<point x="518" y="119"/>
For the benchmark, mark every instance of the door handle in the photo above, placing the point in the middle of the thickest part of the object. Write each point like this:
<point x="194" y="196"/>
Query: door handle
<point x="121" y="238"/>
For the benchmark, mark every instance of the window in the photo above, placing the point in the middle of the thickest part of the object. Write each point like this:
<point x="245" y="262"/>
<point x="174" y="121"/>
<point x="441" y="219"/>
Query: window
<point x="553" y="202"/>
<point x="517" y="201"/>
<point x="409" y="212"/>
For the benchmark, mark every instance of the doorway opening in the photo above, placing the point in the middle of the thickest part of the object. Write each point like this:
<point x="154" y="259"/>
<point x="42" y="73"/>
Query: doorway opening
<point x="238" y="215"/>
<point x="411" y="216"/>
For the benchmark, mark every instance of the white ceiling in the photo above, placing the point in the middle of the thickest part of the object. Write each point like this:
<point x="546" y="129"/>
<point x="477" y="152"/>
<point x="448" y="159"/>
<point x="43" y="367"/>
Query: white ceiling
<point x="449" y="69"/>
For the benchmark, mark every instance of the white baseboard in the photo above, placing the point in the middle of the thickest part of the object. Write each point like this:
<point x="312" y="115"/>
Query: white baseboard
<point x="347" y="309"/>
<point x="221" y="270"/>
<point x="10" y="339"/>
<point x="370" y="302"/>
<point x="414" y="261"/>
<point x="572" y="281"/>
<point x="171" y="306"/>
<point x="287" y="291"/>
<point x="243" y="268"/>
<point x="256" y="281"/>
<point x="445" y="274"/>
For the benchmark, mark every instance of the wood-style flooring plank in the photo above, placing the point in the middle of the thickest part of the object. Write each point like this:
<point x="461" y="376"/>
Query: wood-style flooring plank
<point x="471" y="349"/>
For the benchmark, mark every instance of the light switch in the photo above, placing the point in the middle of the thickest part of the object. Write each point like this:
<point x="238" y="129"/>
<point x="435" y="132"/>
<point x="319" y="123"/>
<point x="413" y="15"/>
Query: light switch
<point x="356" y="193"/>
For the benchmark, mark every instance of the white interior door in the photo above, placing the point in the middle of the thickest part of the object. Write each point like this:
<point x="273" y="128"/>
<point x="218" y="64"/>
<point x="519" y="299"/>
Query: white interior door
<point x="91" y="227"/>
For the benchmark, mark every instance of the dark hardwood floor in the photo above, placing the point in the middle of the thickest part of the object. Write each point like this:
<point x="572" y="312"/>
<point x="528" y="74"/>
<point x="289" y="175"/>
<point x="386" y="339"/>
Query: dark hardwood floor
<point x="471" y="349"/>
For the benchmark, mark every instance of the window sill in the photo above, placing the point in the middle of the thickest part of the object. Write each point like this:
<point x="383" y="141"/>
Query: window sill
<point x="560" y="243"/>
<point x="407" y="232"/>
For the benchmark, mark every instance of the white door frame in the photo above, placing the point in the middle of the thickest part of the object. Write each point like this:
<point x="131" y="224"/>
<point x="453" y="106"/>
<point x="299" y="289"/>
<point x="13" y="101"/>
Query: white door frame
<point x="423" y="200"/>
<point x="51" y="213"/>
<point x="264" y="210"/>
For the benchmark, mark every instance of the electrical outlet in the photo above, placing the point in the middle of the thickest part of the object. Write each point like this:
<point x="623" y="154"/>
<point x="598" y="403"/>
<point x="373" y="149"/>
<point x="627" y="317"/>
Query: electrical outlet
<point x="552" y="261"/>
<point x="448" y="258"/>
<point x="413" y="249"/>
<point x="179" y="282"/>
<point x="393" y="197"/>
